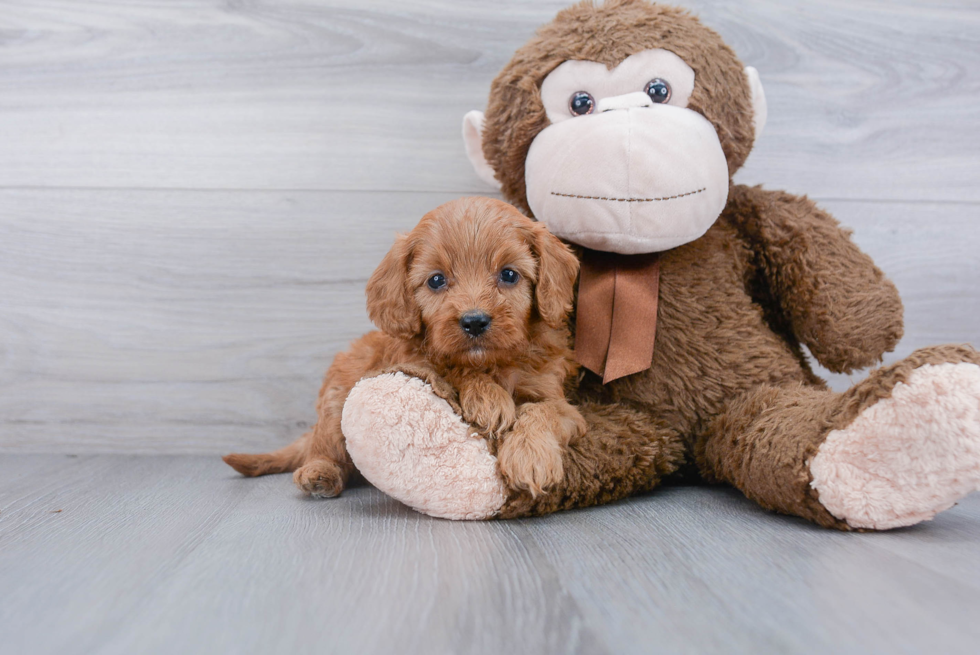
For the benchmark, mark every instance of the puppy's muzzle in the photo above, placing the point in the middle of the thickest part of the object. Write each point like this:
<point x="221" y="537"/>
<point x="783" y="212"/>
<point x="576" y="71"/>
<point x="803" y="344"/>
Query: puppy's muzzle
<point x="474" y="323"/>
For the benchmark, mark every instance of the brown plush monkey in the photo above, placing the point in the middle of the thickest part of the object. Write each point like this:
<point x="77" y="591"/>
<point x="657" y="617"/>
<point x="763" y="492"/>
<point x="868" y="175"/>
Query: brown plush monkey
<point x="620" y="126"/>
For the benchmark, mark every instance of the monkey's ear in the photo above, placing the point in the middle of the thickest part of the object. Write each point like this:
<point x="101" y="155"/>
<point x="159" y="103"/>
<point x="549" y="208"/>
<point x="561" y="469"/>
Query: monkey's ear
<point x="390" y="303"/>
<point x="473" y="140"/>
<point x="759" y="109"/>
<point x="557" y="270"/>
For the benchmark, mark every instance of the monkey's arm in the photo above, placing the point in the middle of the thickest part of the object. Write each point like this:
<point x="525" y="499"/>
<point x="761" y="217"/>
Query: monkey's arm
<point x="835" y="299"/>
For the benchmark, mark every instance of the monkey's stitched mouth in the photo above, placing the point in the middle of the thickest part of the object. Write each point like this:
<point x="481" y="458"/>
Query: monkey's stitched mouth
<point x="680" y="195"/>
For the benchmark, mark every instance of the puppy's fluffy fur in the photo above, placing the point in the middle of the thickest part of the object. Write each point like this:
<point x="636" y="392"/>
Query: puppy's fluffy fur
<point x="509" y="380"/>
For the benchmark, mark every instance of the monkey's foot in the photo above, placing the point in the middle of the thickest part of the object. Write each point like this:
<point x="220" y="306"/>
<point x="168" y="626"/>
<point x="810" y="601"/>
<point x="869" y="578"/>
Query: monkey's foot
<point x="907" y="457"/>
<point x="410" y="444"/>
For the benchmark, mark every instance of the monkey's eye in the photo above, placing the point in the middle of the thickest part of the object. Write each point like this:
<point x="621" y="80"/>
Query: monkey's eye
<point x="658" y="90"/>
<point x="436" y="282"/>
<point x="509" y="276"/>
<point x="581" y="103"/>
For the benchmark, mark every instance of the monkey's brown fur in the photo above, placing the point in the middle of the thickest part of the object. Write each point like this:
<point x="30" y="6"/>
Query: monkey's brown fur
<point x="608" y="34"/>
<point x="729" y="389"/>
<point x="510" y="379"/>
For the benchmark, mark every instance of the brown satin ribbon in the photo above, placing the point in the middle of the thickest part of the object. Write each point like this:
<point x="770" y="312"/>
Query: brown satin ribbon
<point x="616" y="315"/>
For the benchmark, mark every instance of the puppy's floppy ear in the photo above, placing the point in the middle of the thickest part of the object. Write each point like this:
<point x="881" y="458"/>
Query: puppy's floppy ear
<point x="390" y="303"/>
<point x="557" y="270"/>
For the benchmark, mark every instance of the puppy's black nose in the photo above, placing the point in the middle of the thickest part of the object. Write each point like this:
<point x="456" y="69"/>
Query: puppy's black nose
<point x="474" y="322"/>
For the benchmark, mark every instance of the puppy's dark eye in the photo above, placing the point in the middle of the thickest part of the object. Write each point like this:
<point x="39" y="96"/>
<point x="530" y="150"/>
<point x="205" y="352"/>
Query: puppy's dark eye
<point x="658" y="90"/>
<point x="436" y="282"/>
<point x="509" y="276"/>
<point x="581" y="103"/>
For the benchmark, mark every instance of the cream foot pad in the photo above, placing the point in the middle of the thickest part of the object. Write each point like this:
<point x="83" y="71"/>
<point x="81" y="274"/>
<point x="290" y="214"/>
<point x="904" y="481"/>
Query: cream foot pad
<point x="410" y="444"/>
<point x="907" y="457"/>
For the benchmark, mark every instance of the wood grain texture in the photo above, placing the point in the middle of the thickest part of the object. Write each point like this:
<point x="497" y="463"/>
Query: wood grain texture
<point x="178" y="554"/>
<point x="190" y="321"/>
<point x="187" y="321"/>
<point x="871" y="99"/>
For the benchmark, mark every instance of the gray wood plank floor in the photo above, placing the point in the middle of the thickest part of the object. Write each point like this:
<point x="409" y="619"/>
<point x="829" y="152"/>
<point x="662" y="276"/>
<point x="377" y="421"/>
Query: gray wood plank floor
<point x="176" y="554"/>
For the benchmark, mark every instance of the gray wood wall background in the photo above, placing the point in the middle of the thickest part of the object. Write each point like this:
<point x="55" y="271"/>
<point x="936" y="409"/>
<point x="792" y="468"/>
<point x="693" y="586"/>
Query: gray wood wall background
<point x="193" y="194"/>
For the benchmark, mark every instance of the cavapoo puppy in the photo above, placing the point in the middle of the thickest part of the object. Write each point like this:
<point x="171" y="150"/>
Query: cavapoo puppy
<point x="473" y="300"/>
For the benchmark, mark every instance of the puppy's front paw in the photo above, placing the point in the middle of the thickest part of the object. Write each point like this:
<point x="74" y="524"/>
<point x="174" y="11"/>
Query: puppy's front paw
<point x="320" y="478"/>
<point x="530" y="461"/>
<point x="488" y="407"/>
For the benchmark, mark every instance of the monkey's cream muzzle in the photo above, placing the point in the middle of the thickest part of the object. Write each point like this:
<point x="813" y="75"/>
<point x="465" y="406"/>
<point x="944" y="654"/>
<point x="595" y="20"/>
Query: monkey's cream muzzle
<point x="630" y="171"/>
<point x="632" y="177"/>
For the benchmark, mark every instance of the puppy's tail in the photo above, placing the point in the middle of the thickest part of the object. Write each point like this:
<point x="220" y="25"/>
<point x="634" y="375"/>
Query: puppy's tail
<point x="283" y="460"/>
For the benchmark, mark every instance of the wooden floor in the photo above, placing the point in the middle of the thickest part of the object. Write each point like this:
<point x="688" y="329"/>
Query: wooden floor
<point x="192" y="196"/>
<point x="176" y="554"/>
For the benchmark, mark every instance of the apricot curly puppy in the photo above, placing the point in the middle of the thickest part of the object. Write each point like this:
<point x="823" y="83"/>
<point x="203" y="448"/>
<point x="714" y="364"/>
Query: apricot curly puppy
<point x="474" y="300"/>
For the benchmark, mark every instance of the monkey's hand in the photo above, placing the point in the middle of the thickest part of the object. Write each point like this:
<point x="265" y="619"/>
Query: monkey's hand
<point x="486" y="405"/>
<point x="835" y="299"/>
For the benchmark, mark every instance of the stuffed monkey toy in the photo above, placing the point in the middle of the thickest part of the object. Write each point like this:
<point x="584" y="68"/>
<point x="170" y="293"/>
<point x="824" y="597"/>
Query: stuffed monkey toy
<point x="620" y="126"/>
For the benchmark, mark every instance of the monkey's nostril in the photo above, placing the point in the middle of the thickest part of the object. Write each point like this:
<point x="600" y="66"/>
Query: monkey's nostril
<point x="474" y="323"/>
